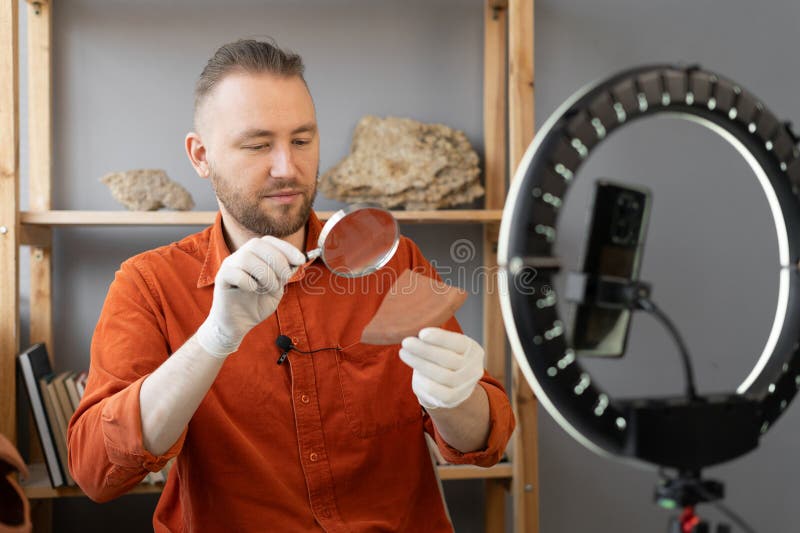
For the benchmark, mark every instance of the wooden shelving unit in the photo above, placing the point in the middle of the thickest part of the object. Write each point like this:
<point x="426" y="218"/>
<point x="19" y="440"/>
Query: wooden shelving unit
<point x="508" y="112"/>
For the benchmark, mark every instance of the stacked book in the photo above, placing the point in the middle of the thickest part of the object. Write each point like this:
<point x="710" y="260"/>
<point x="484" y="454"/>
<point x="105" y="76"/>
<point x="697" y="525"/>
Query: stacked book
<point x="54" y="399"/>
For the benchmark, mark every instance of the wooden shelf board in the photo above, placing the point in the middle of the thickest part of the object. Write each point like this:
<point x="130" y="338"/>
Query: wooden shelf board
<point x="38" y="484"/>
<point x="205" y="218"/>
<point x="500" y="470"/>
<point x="46" y="492"/>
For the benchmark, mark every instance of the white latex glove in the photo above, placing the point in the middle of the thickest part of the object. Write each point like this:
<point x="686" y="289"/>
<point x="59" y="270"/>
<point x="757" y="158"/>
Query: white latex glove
<point x="447" y="366"/>
<point x="247" y="289"/>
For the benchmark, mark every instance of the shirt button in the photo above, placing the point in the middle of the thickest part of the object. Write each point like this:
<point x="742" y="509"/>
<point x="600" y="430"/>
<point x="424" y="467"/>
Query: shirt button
<point x="304" y="398"/>
<point x="325" y="513"/>
<point x="294" y="340"/>
<point x="313" y="457"/>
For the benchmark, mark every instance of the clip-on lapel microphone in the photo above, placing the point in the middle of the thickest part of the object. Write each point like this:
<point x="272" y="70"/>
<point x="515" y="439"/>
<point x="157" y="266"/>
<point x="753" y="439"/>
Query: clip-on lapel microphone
<point x="285" y="344"/>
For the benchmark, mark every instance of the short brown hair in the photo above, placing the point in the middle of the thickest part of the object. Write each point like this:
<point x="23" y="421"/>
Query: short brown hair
<point x="249" y="55"/>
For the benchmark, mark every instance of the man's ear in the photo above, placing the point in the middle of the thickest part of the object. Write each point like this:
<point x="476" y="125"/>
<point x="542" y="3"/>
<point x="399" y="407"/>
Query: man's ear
<point x="197" y="153"/>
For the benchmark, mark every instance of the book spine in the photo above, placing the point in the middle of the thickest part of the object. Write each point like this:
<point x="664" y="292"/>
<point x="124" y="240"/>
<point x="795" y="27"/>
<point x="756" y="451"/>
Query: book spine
<point x="42" y="426"/>
<point x="61" y="438"/>
<point x="72" y="390"/>
<point x="63" y="399"/>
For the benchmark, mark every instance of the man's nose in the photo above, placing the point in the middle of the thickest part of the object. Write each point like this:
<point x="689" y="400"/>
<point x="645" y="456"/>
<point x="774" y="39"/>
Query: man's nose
<point x="282" y="163"/>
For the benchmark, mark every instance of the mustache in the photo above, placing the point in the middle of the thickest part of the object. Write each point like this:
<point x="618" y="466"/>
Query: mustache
<point x="282" y="185"/>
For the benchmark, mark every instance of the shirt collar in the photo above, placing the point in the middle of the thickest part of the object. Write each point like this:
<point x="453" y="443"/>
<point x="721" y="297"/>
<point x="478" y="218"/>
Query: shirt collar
<point x="218" y="249"/>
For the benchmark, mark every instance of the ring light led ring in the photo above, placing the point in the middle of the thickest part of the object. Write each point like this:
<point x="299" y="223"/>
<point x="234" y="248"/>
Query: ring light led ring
<point x="529" y="230"/>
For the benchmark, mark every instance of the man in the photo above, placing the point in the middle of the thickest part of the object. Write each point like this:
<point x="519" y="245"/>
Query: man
<point x="183" y="356"/>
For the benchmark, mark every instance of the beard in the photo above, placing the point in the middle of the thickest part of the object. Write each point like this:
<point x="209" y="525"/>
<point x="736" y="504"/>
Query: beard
<point x="247" y="208"/>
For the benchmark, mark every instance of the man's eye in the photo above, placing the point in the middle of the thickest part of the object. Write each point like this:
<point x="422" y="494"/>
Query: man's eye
<point x="256" y="147"/>
<point x="301" y="142"/>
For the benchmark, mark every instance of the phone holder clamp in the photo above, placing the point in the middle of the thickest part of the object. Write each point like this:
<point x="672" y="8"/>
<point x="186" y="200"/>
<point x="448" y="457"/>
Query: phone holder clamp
<point x="606" y="291"/>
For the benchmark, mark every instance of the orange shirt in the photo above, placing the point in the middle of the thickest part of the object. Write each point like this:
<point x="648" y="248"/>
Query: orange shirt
<point x="331" y="441"/>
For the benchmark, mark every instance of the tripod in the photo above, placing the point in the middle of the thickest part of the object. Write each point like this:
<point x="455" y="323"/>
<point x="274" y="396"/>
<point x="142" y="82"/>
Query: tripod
<point x="687" y="491"/>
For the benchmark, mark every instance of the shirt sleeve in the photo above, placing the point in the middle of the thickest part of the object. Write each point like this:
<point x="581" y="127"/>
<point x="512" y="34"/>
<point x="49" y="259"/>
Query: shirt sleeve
<point x="501" y="416"/>
<point x="106" y="452"/>
<point x="501" y="420"/>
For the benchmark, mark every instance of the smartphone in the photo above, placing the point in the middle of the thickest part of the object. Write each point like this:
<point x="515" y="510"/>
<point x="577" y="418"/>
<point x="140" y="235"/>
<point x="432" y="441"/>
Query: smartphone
<point x="614" y="248"/>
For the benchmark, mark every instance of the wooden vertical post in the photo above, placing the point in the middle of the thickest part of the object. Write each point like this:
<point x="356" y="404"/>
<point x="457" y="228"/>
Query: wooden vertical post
<point x="40" y="149"/>
<point x="495" y="152"/>
<point x="521" y="81"/>
<point x="525" y="483"/>
<point x="9" y="215"/>
<point x="39" y="157"/>
<point x="41" y="146"/>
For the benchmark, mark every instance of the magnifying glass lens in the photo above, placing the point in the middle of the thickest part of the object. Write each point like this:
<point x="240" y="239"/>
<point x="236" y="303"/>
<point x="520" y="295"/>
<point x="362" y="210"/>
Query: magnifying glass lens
<point x="361" y="242"/>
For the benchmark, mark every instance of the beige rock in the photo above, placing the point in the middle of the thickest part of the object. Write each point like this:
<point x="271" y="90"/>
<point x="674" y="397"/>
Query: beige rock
<point x="147" y="190"/>
<point x="397" y="162"/>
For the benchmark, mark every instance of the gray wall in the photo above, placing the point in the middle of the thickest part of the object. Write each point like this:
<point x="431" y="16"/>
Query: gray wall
<point x="123" y="78"/>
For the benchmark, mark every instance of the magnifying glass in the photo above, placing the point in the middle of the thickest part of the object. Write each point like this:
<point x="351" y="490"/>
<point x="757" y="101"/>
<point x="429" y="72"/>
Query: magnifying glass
<point x="357" y="241"/>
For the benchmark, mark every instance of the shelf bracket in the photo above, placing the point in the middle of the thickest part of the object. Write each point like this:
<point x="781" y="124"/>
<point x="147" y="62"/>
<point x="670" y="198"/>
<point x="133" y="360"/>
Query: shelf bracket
<point x="35" y="236"/>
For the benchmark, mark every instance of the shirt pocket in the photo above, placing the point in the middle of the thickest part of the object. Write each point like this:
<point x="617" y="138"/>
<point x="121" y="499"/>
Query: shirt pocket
<point x="376" y="389"/>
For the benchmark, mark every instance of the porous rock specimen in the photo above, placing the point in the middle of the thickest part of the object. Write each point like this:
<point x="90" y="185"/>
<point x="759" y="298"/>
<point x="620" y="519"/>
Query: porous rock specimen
<point x="399" y="162"/>
<point x="147" y="190"/>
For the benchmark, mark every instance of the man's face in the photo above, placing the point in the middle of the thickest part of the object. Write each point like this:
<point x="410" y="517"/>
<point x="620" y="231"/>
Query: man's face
<point x="262" y="145"/>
